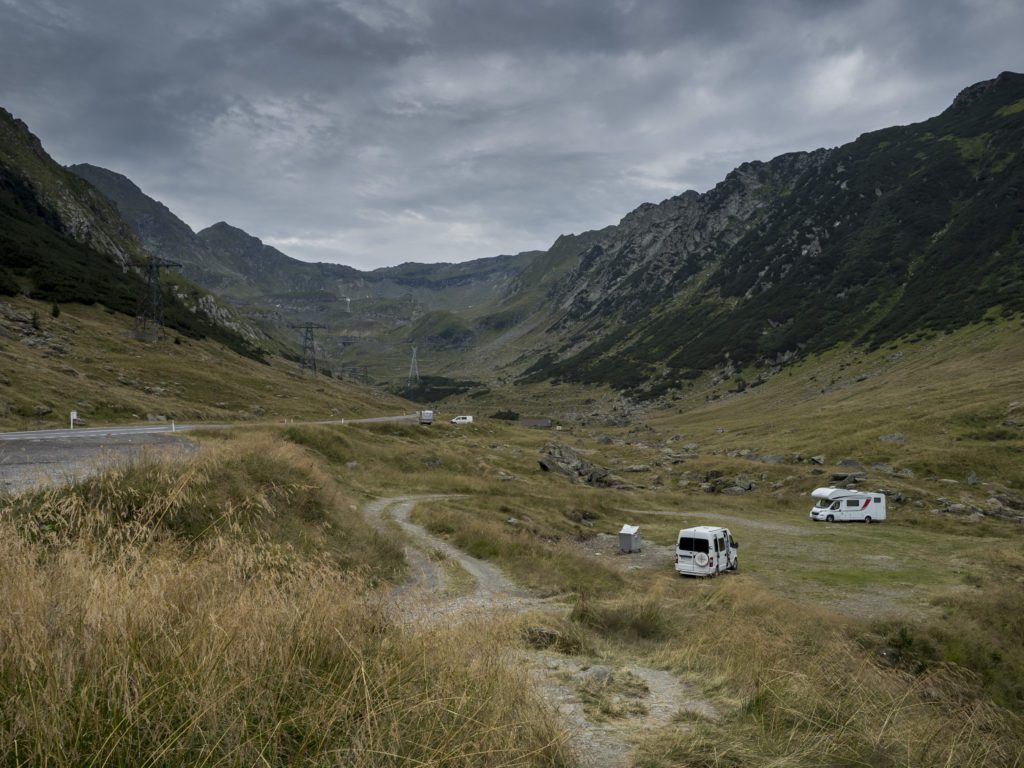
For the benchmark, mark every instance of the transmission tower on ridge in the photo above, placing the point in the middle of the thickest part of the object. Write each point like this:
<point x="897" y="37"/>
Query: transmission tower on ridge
<point x="149" y="317"/>
<point x="308" y="345"/>
<point x="414" y="372"/>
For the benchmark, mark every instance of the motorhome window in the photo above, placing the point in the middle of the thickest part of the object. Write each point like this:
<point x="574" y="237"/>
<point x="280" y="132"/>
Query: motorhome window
<point x="835" y="505"/>
<point x="823" y="503"/>
<point x="852" y="503"/>
<point x="878" y="500"/>
<point x="688" y="544"/>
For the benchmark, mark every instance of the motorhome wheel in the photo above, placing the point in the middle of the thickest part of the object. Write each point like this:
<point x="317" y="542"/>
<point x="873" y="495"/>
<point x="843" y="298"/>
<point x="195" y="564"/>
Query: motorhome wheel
<point x="867" y="519"/>
<point x="830" y="519"/>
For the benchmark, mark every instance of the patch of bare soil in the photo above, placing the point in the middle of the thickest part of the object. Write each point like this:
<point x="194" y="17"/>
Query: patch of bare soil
<point x="605" y="709"/>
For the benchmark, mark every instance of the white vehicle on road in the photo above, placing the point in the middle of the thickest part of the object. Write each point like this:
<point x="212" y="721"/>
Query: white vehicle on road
<point x="426" y="417"/>
<point x="706" y="551"/>
<point x="838" y="504"/>
<point x="462" y="420"/>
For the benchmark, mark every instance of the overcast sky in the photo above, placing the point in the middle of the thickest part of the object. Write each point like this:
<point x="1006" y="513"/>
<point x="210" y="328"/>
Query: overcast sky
<point x="372" y="133"/>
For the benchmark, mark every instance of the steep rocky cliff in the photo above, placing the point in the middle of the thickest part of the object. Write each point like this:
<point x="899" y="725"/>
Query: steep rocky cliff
<point x="908" y="229"/>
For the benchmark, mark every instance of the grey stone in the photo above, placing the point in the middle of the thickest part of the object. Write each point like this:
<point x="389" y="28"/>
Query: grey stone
<point x="895" y="437"/>
<point x="43" y="410"/>
<point x="599" y="673"/>
<point x="819" y="459"/>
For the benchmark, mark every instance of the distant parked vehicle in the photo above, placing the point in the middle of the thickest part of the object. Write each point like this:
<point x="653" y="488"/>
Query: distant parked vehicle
<point x="836" y="504"/>
<point x="706" y="551"/>
<point x="426" y="417"/>
<point x="462" y="420"/>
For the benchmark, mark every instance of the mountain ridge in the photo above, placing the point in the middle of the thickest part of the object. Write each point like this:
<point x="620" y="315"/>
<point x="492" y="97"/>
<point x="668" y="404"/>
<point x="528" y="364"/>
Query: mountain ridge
<point x="729" y="278"/>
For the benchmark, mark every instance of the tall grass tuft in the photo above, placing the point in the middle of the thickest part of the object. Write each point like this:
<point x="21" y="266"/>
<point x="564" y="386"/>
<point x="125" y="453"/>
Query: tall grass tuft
<point x="199" y="614"/>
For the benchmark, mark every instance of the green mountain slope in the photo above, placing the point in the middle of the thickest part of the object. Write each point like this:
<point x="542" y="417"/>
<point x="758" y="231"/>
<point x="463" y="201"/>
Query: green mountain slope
<point x="907" y="229"/>
<point x="61" y="241"/>
<point x="371" y="317"/>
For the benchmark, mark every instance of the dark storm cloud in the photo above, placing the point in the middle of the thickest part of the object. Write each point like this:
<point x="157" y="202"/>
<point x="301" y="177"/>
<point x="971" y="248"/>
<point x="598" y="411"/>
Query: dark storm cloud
<point x="374" y="132"/>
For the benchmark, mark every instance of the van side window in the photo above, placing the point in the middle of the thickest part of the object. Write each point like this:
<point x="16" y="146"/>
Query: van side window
<point x="852" y="503"/>
<point x="878" y="500"/>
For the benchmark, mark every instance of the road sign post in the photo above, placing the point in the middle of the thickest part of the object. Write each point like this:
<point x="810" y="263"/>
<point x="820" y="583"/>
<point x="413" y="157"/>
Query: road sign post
<point x="74" y="415"/>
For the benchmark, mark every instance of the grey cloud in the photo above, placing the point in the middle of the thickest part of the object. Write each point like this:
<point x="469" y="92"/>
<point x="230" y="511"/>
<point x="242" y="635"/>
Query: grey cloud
<point x="372" y="131"/>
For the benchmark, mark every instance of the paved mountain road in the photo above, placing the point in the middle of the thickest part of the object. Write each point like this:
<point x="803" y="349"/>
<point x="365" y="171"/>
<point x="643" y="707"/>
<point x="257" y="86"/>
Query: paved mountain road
<point x="55" y="456"/>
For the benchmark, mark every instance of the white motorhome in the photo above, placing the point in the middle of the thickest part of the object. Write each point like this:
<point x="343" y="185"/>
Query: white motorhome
<point x="426" y="417"/>
<point x="706" y="551"/>
<point x="835" y="504"/>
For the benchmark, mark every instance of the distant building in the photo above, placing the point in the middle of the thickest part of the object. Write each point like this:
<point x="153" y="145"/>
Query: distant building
<point x="536" y="423"/>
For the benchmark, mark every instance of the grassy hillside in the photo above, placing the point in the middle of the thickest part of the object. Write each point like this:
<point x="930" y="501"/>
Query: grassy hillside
<point x="893" y="644"/>
<point x="86" y="359"/>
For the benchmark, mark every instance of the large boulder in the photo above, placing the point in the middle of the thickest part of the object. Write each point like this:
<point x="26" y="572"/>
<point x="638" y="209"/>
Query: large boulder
<point x="564" y="460"/>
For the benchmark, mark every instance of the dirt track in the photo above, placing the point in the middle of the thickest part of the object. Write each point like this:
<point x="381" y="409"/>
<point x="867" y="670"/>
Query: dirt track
<point x="559" y="679"/>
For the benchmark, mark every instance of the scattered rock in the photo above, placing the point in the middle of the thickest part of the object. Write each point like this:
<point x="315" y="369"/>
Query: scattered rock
<point x="772" y="459"/>
<point x="850" y="463"/>
<point x="564" y="460"/>
<point x="43" y="410"/>
<point x="972" y="478"/>
<point x="895" y="437"/>
<point x="351" y="464"/>
<point x="819" y="459"/>
<point x="504" y="476"/>
<point x="433" y="462"/>
<point x="155" y="417"/>
<point x="599" y="673"/>
<point x="637" y="468"/>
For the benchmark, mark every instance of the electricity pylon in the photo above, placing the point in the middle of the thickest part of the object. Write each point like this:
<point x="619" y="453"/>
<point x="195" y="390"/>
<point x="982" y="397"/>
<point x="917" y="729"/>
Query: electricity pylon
<point x="414" y="372"/>
<point x="308" y="345"/>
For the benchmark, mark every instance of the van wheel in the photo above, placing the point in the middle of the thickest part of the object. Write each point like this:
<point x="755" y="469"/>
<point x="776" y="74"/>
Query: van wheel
<point x="867" y="519"/>
<point x="830" y="519"/>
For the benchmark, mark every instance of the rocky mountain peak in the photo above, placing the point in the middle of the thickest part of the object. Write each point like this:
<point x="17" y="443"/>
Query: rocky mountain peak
<point x="972" y="93"/>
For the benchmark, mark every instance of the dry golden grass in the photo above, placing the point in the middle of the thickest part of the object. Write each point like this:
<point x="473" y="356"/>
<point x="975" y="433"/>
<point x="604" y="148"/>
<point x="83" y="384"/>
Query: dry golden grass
<point x="207" y="613"/>
<point x="796" y="688"/>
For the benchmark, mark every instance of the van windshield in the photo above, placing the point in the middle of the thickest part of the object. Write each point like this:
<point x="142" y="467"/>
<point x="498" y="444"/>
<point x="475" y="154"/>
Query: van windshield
<point x="688" y="544"/>
<point x="823" y="503"/>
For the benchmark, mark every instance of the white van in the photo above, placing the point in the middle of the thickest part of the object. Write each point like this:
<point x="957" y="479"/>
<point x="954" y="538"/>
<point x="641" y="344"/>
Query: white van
<point x="426" y="417"/>
<point x="462" y="420"/>
<point x="836" y="504"/>
<point x="706" y="551"/>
